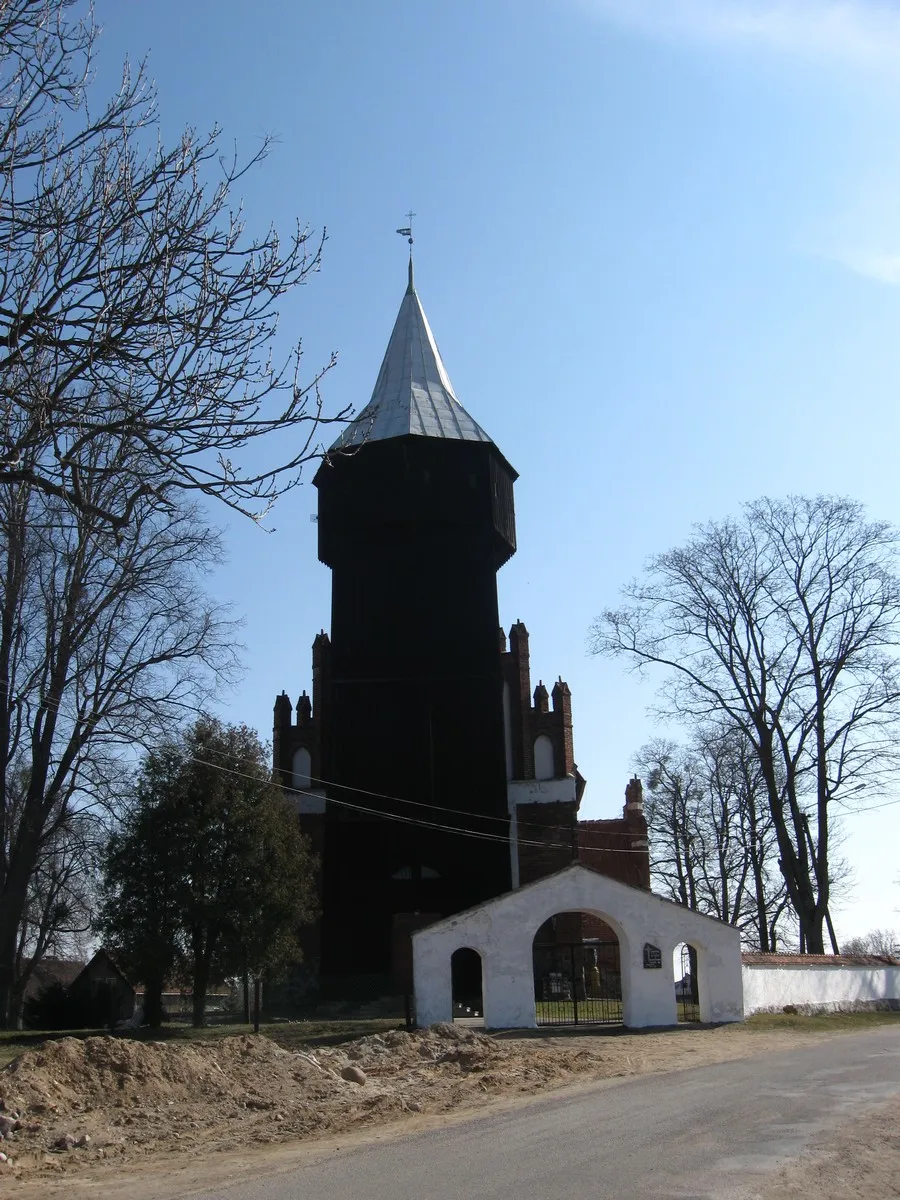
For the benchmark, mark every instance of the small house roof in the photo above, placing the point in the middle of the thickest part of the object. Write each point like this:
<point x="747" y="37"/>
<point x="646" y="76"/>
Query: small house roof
<point x="100" y="957"/>
<point x="50" y="971"/>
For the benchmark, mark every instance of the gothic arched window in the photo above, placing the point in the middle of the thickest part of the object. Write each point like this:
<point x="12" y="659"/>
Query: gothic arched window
<point x="543" y="758"/>
<point x="302" y="768"/>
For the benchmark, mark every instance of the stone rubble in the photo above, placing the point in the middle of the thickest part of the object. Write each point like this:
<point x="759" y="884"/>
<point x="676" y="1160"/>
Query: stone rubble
<point x="353" y="1074"/>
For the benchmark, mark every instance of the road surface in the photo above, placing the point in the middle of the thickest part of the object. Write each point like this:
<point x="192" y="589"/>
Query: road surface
<point x="710" y="1132"/>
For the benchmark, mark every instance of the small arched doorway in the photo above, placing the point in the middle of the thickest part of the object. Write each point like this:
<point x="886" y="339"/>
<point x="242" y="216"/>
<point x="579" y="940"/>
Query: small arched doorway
<point x="577" y="971"/>
<point x="687" y="983"/>
<point x="465" y="974"/>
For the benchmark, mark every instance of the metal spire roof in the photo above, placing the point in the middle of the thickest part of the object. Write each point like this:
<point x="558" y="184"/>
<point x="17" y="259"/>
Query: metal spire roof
<point x="413" y="393"/>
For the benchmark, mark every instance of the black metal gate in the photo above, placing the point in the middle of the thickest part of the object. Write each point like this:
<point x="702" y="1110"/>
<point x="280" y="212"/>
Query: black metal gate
<point x="687" y="992"/>
<point x="578" y="983"/>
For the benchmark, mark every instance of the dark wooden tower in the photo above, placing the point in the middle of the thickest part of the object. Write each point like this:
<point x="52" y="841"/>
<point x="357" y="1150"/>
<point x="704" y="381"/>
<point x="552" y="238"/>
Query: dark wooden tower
<point x="415" y="517"/>
<point x="422" y="729"/>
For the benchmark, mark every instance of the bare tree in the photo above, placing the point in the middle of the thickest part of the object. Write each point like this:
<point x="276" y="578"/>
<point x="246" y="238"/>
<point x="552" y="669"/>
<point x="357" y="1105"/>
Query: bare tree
<point x="106" y="641"/>
<point x="134" y="308"/>
<point x="58" y="913"/>
<point x="711" y="833"/>
<point x="674" y="788"/>
<point x="883" y="942"/>
<point x="784" y="625"/>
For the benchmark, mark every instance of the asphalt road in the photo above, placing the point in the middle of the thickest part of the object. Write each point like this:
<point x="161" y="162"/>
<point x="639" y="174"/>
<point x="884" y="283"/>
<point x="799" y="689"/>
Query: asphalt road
<point x="707" y="1132"/>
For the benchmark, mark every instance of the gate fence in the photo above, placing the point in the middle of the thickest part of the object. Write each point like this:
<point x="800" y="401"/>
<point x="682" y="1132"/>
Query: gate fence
<point x="687" y="993"/>
<point x="578" y="983"/>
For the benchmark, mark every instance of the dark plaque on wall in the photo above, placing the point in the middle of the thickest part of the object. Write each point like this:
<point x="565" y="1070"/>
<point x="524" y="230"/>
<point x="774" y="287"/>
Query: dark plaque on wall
<point x="652" y="957"/>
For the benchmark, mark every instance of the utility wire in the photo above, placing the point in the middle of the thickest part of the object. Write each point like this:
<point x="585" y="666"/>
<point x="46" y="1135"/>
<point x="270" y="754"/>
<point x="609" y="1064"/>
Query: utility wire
<point x="866" y="808"/>
<point x="532" y="824"/>
<point x="436" y="807"/>
<point x="55" y="706"/>
<point x="461" y="832"/>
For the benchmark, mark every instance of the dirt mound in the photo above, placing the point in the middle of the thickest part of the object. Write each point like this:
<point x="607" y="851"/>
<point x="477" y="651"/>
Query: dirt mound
<point x="74" y="1103"/>
<point x="130" y="1096"/>
<point x="74" y="1074"/>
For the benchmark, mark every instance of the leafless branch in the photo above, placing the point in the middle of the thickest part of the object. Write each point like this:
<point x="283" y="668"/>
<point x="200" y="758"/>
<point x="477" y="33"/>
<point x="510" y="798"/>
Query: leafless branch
<point x="135" y="307"/>
<point x="784" y="626"/>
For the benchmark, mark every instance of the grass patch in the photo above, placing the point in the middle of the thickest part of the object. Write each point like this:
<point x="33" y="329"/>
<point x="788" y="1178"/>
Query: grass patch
<point x="821" y="1022"/>
<point x="588" y="1010"/>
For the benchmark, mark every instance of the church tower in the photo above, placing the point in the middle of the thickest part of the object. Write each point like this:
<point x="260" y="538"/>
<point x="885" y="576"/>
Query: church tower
<point x="415" y="518"/>
<point x="427" y="775"/>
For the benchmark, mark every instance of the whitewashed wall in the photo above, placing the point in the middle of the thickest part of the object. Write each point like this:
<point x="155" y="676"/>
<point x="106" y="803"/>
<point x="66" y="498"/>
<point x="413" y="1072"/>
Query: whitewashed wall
<point x="502" y="932"/>
<point x="769" y="988"/>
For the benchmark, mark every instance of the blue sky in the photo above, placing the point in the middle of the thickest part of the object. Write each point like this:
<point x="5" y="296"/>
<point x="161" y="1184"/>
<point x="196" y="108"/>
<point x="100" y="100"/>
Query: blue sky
<point x="658" y="242"/>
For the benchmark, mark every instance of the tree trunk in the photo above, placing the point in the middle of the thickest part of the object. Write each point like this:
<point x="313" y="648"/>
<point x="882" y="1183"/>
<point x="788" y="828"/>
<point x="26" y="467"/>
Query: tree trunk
<point x="810" y="910"/>
<point x="762" y="915"/>
<point x="12" y="906"/>
<point x="7" y="979"/>
<point x="758" y="872"/>
<point x="815" y="937"/>
<point x="153" y="1005"/>
<point x="201" y="983"/>
<point x="25" y="848"/>
<point x="17" y="1004"/>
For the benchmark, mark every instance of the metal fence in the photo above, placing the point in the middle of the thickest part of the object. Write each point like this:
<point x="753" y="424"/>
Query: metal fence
<point x="687" y="994"/>
<point x="578" y="983"/>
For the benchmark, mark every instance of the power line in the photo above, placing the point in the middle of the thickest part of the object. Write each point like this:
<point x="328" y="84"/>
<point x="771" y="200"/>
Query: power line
<point x="461" y="832"/>
<point x="473" y="833"/>
<point x="55" y="706"/>
<point x="485" y="816"/>
<point x="869" y="807"/>
<point x="434" y="807"/>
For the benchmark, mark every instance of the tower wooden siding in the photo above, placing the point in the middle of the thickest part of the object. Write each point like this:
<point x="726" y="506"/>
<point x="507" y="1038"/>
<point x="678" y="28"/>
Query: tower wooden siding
<point x="413" y="530"/>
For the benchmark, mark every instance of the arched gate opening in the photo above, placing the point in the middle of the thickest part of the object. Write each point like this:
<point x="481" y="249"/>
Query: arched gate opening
<point x="687" y="983"/>
<point x="465" y="974"/>
<point x="577" y="971"/>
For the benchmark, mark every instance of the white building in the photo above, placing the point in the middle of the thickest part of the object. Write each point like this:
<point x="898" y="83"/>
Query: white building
<point x="648" y="929"/>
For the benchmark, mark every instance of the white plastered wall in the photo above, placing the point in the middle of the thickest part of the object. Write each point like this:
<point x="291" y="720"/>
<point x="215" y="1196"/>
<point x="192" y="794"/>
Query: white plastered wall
<point x="769" y="987"/>
<point x="502" y="931"/>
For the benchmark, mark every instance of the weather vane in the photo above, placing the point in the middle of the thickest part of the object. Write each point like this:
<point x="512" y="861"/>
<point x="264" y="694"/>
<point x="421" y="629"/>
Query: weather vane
<point x="407" y="232"/>
<point x="407" y="229"/>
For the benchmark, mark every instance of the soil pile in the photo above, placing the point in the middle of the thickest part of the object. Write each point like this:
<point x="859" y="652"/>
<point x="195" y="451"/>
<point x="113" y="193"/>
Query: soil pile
<point x="74" y="1103"/>
<point x="128" y="1096"/>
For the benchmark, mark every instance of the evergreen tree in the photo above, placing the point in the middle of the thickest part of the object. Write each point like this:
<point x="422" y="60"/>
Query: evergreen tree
<point x="210" y="867"/>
